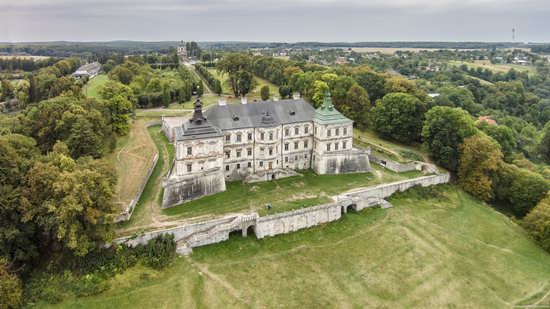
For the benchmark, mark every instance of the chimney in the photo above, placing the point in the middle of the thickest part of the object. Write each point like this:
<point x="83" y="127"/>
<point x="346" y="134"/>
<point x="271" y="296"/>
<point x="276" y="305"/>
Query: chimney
<point x="275" y="98"/>
<point x="296" y="95"/>
<point x="244" y="100"/>
<point x="222" y="102"/>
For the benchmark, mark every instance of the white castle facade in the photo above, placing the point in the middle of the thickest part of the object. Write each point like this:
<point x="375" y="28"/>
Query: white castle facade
<point x="259" y="141"/>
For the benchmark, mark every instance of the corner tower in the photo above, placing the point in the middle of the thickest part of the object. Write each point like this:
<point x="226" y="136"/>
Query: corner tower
<point x="333" y="151"/>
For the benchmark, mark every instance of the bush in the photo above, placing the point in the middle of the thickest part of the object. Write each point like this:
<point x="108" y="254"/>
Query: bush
<point x="159" y="252"/>
<point x="10" y="287"/>
<point x="537" y="223"/>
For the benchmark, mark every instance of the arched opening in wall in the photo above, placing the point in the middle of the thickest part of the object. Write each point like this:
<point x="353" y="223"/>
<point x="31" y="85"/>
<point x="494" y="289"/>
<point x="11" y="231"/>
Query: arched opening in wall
<point x="351" y="207"/>
<point x="236" y="233"/>
<point x="273" y="177"/>
<point x="251" y="231"/>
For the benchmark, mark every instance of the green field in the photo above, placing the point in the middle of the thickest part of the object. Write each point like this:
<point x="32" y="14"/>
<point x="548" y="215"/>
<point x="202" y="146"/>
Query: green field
<point x="502" y="68"/>
<point x="91" y="89"/>
<point x="440" y="249"/>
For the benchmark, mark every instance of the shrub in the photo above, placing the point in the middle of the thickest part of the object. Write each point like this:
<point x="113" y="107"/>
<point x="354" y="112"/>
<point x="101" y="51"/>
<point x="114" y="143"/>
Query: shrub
<point x="158" y="252"/>
<point x="537" y="223"/>
<point x="10" y="287"/>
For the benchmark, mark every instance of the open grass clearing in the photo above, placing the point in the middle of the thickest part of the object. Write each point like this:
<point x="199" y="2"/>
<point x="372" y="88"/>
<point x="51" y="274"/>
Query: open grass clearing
<point x="441" y="250"/>
<point x="91" y="89"/>
<point x="254" y="94"/>
<point x="500" y="68"/>
<point x="391" y="150"/>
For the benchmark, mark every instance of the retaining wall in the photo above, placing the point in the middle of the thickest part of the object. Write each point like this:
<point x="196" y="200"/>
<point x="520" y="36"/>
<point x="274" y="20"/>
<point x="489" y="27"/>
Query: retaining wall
<point x="213" y="231"/>
<point x="404" y="167"/>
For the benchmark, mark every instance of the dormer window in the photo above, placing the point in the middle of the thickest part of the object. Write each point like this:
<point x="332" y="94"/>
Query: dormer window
<point x="292" y="113"/>
<point x="235" y="118"/>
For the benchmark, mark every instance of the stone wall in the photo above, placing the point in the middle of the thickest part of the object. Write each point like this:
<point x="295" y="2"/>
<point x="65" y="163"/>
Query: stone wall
<point x="178" y="190"/>
<point x="342" y="162"/>
<point x="404" y="167"/>
<point x="213" y="231"/>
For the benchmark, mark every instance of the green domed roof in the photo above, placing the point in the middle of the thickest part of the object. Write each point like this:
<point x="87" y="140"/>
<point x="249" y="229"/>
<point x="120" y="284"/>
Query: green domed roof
<point x="327" y="113"/>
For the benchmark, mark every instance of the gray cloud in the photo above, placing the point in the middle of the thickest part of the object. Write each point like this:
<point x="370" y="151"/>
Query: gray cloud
<point x="270" y="20"/>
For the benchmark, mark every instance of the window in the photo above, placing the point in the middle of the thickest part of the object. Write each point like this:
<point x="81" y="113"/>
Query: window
<point x="296" y="158"/>
<point x="239" y="153"/>
<point x="270" y="136"/>
<point x="287" y="131"/>
<point x="297" y="130"/>
<point x="262" y="135"/>
<point x="345" y="131"/>
<point x="295" y="145"/>
<point x="228" y="138"/>
<point x="228" y="154"/>
<point x="239" y="139"/>
<point x="286" y="147"/>
<point x="249" y="136"/>
<point x="305" y="156"/>
<point x="336" y="146"/>
<point x="344" y="144"/>
<point x="249" y="164"/>
<point x="305" y="143"/>
<point x="262" y="151"/>
<point x="286" y="159"/>
<point x="249" y="151"/>
<point x="337" y="131"/>
<point x="189" y="168"/>
<point x="238" y="166"/>
<point x="328" y="147"/>
<point x="261" y="163"/>
<point x="227" y="168"/>
<point x="328" y="133"/>
<point x="270" y="151"/>
<point x="189" y="151"/>
<point x="306" y="129"/>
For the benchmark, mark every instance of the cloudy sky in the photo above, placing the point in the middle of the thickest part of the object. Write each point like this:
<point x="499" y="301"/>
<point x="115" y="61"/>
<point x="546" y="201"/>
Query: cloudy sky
<point x="270" y="20"/>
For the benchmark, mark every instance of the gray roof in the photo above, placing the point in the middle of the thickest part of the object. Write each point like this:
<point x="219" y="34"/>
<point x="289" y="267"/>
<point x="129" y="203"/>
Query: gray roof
<point x="197" y="127"/>
<point x="260" y="114"/>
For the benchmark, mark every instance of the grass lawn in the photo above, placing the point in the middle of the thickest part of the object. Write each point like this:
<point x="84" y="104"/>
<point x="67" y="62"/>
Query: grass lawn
<point x="388" y="149"/>
<point x="284" y="194"/>
<point x="437" y="250"/>
<point x="254" y="94"/>
<point x="502" y="68"/>
<point x="91" y="89"/>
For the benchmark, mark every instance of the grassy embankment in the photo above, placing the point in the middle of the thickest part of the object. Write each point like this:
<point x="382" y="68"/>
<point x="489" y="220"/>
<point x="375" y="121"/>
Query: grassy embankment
<point x="436" y="250"/>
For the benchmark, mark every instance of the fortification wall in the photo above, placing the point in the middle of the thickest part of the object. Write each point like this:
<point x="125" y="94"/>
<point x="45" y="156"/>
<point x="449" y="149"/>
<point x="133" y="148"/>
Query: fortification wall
<point x="178" y="190"/>
<point x="342" y="162"/>
<point x="213" y="231"/>
<point x="404" y="167"/>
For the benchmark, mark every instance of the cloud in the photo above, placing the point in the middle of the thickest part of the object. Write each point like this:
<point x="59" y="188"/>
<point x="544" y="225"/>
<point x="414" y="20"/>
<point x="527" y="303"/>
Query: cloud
<point x="270" y="20"/>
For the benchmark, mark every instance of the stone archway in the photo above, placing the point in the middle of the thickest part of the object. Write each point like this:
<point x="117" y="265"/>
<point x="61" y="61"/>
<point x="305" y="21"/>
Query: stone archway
<point x="250" y="230"/>
<point x="351" y="207"/>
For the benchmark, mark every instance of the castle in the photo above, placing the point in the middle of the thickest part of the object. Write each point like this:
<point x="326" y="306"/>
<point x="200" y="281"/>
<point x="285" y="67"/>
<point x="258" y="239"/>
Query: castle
<point x="259" y="141"/>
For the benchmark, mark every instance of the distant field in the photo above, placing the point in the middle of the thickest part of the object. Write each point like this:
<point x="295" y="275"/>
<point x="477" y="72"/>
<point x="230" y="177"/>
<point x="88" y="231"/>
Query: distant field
<point x="502" y="68"/>
<point x="437" y="250"/>
<point x="35" y="58"/>
<point x="91" y="89"/>
<point x="391" y="50"/>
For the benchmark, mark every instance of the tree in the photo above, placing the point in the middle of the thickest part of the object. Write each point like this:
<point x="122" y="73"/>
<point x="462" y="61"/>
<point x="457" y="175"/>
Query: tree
<point x="7" y="90"/>
<point x="398" y="116"/>
<point x="264" y="93"/>
<point x="357" y="100"/>
<point x="238" y="67"/>
<point x="373" y="82"/>
<point x="71" y="201"/>
<point x="519" y="187"/>
<point x="502" y="134"/>
<point x="284" y="91"/>
<point x="457" y="97"/>
<point x="165" y="97"/>
<point x="200" y="88"/>
<point x="10" y="287"/>
<point x="445" y="128"/>
<point x="544" y="145"/>
<point x="121" y="74"/>
<point x="480" y="158"/>
<point x="121" y="110"/>
<point x="537" y="223"/>
<point x="399" y="84"/>
<point x="83" y="140"/>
